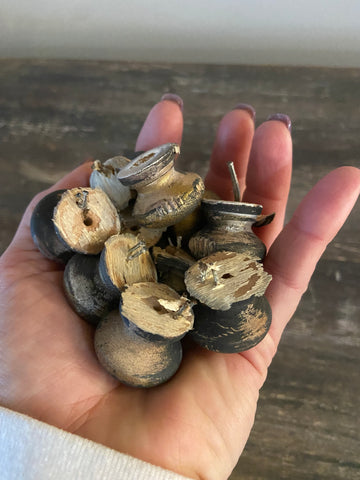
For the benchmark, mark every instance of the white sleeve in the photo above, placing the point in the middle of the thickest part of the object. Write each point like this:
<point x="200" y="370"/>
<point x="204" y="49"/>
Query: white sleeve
<point x="33" y="450"/>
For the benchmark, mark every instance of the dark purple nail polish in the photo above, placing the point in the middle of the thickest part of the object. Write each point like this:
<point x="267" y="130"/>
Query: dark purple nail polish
<point x="245" y="106"/>
<point x="281" y="117"/>
<point x="172" y="97"/>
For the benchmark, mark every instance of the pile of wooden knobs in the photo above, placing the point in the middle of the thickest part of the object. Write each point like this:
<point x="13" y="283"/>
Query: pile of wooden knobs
<point x="150" y="257"/>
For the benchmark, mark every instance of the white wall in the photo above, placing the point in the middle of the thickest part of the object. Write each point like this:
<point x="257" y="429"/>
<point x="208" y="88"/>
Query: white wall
<point x="301" y="32"/>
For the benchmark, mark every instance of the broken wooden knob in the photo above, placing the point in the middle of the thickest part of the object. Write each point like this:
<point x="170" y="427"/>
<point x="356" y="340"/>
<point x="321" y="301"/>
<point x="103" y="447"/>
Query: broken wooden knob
<point x="93" y="284"/>
<point x="172" y="263"/>
<point x="104" y="176"/>
<point x="233" y="312"/>
<point x="125" y="260"/>
<point x="235" y="330"/>
<point x="43" y="230"/>
<point x="164" y="195"/>
<point x="140" y="346"/>
<point x="229" y="227"/>
<point x="85" y="291"/>
<point x="79" y="220"/>
<point x="85" y="218"/>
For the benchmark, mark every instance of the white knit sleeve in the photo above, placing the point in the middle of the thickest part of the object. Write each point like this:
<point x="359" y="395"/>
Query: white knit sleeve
<point x="33" y="450"/>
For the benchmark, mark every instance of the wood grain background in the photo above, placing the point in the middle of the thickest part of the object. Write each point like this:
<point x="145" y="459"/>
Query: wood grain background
<point x="55" y="114"/>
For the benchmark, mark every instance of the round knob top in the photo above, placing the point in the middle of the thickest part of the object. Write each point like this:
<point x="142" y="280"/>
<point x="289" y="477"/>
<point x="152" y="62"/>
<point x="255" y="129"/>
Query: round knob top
<point x="149" y="165"/>
<point x="215" y="207"/>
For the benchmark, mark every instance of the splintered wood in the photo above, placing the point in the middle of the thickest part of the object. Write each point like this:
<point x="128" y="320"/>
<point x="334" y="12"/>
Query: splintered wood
<point x="157" y="309"/>
<point x="224" y="278"/>
<point x="85" y="218"/>
<point x="128" y="261"/>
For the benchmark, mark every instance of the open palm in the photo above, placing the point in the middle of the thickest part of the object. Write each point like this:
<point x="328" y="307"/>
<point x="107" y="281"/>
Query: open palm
<point x="197" y="423"/>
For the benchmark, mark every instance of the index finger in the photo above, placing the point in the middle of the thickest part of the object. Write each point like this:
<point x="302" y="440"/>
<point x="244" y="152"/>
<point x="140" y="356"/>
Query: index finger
<point x="164" y="124"/>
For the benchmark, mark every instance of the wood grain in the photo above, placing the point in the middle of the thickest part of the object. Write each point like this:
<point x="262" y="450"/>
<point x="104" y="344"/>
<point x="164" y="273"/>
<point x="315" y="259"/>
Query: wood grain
<point x="55" y="114"/>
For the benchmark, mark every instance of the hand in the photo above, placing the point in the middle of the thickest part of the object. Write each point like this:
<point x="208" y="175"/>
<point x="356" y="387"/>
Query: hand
<point x="198" y="423"/>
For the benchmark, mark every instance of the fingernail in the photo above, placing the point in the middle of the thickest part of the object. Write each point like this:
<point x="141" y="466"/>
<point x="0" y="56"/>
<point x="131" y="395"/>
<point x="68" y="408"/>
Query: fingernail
<point x="172" y="97"/>
<point x="245" y="106"/>
<point x="281" y="117"/>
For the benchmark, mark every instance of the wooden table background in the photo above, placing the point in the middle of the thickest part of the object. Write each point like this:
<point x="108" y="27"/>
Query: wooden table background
<point x="54" y="114"/>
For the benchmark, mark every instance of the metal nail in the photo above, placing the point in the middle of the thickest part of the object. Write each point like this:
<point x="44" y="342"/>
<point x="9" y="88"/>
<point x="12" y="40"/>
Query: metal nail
<point x="136" y="250"/>
<point x="81" y="199"/>
<point x="235" y="182"/>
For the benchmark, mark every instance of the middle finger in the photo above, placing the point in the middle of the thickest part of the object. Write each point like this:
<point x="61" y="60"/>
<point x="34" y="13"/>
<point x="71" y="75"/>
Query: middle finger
<point x="232" y="144"/>
<point x="269" y="173"/>
<point x="164" y="124"/>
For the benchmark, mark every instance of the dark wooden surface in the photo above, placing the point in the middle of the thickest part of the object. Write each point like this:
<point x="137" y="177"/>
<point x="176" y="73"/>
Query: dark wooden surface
<point x="54" y="114"/>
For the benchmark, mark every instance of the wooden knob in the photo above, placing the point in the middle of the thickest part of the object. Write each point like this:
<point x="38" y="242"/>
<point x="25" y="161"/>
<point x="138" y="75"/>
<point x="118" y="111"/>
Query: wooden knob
<point x="43" y="230"/>
<point x="235" y="330"/>
<point x="229" y="227"/>
<point x="141" y="345"/>
<point x="85" y="291"/>
<point x="85" y="218"/>
<point x="132" y="359"/>
<point x="126" y="260"/>
<point x="104" y="176"/>
<point x="224" y="278"/>
<point x="156" y="311"/>
<point x="164" y="196"/>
